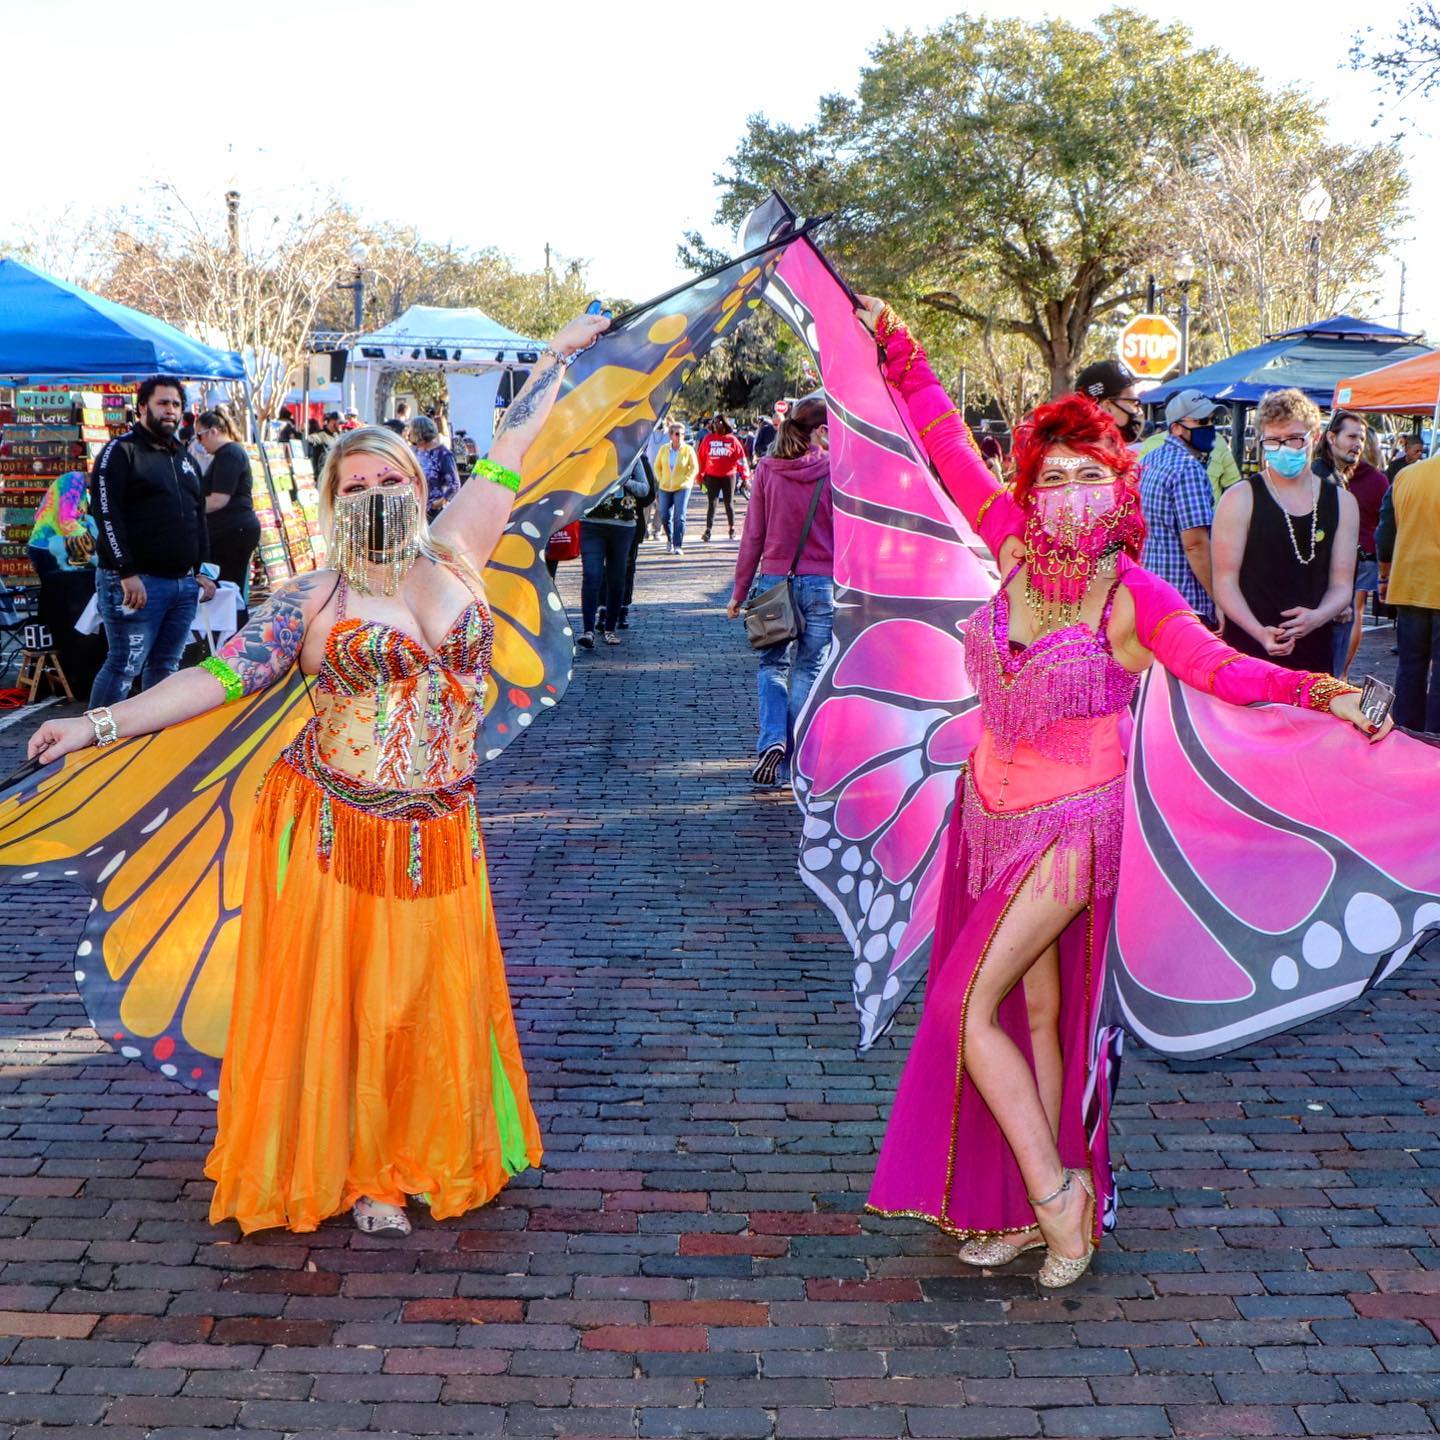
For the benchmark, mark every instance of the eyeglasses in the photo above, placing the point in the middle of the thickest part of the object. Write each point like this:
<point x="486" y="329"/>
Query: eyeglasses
<point x="1291" y="442"/>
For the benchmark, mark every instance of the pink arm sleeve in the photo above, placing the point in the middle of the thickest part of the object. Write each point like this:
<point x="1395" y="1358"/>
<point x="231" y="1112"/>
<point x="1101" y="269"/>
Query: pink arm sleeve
<point x="1171" y="630"/>
<point x="984" y="502"/>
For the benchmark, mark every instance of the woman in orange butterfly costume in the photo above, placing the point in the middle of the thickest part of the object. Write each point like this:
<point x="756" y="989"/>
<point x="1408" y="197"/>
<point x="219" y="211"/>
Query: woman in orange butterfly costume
<point x="372" y="1053"/>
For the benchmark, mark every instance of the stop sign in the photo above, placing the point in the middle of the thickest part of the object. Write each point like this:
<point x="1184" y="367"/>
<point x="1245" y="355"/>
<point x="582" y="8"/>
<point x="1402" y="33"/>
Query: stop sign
<point x="1150" y="347"/>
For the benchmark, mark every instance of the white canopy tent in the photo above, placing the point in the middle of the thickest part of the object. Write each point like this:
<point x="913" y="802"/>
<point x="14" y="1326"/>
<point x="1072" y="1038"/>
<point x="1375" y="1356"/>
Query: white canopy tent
<point x="472" y="350"/>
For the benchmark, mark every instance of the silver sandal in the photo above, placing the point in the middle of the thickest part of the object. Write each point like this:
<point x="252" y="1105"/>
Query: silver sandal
<point x="1059" y="1270"/>
<point x="370" y="1220"/>
<point x="990" y="1252"/>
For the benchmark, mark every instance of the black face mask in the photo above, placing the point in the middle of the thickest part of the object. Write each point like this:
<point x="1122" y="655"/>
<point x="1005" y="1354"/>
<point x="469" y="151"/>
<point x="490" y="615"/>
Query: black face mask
<point x="1131" y="427"/>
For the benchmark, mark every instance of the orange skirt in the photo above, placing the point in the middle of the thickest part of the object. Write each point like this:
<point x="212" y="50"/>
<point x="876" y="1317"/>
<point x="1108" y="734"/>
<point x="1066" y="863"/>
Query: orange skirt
<point x="372" y="1049"/>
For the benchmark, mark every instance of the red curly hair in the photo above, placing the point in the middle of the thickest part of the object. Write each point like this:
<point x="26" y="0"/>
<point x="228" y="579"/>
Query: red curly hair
<point x="1079" y="424"/>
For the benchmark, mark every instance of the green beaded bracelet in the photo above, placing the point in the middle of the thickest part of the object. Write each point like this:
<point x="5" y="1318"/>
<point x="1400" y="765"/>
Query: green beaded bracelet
<point x="498" y="473"/>
<point x="234" y="685"/>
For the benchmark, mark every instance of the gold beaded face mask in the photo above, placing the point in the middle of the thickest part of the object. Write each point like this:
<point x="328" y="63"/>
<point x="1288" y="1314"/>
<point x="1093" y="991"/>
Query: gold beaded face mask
<point x="376" y="537"/>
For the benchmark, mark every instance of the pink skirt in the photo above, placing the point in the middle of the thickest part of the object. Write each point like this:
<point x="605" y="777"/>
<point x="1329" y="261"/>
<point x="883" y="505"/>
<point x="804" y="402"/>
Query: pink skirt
<point x="944" y="1158"/>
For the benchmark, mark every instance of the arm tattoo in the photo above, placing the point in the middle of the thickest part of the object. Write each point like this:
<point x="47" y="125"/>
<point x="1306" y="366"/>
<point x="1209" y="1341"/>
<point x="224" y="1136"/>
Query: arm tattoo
<point x="522" y="408"/>
<point x="270" y="642"/>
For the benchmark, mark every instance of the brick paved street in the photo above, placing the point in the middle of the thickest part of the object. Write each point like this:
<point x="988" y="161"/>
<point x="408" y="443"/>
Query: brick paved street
<point x="692" y="1260"/>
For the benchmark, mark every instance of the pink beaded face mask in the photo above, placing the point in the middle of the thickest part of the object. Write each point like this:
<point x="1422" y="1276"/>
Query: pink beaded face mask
<point x="1079" y="516"/>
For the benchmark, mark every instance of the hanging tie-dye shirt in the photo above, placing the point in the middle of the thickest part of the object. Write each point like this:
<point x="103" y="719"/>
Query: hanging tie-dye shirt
<point x="63" y="523"/>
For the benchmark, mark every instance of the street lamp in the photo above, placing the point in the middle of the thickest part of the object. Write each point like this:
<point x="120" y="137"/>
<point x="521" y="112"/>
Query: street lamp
<point x="357" y="286"/>
<point x="1184" y="276"/>
<point x="1315" y="206"/>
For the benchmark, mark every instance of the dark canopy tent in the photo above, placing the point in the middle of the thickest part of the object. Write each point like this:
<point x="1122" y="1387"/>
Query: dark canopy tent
<point x="1313" y="358"/>
<point x="53" y="330"/>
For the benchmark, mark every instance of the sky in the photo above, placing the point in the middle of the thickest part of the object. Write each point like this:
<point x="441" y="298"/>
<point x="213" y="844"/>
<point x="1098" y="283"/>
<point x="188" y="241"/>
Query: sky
<point x="594" y="126"/>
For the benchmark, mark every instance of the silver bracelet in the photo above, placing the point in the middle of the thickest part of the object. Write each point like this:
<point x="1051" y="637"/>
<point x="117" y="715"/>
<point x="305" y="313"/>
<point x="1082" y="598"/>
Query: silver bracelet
<point x="103" y="722"/>
<point x="563" y="361"/>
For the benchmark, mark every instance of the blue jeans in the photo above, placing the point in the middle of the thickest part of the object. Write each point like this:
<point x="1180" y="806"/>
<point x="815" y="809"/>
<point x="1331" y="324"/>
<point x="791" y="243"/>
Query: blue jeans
<point x="604" y="554"/>
<point x="1417" y="677"/>
<point x="672" y="505"/>
<point x="784" y="684"/>
<point x="147" y="643"/>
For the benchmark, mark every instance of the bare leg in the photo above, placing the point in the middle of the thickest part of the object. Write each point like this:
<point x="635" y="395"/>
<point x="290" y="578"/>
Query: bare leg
<point x="1000" y="1072"/>
<point x="1042" y="1002"/>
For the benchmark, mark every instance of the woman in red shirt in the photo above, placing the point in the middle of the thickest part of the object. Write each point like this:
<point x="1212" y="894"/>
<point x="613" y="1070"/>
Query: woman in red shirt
<point x="722" y="458"/>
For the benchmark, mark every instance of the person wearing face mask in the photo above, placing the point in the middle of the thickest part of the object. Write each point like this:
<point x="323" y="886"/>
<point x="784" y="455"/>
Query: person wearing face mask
<point x="1339" y="457"/>
<point x="1221" y="466"/>
<point x="1285" y="544"/>
<point x="1113" y="388"/>
<point x="371" y="1053"/>
<point x="1179" y="503"/>
<point x="1001" y="1062"/>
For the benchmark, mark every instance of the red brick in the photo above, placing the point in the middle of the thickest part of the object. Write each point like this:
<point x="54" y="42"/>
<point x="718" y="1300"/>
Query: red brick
<point x="427" y="1360"/>
<point x="1397" y="1306"/>
<point x="257" y="1330"/>
<point x="594" y="1179"/>
<point x="883" y="1292"/>
<point x="803" y="1222"/>
<point x="49" y="1187"/>
<point x="180" y="1329"/>
<point x="283" y="1282"/>
<point x="708" y="1312"/>
<point x="474" y="1312"/>
<point x="661" y="1200"/>
<point x="646" y="1339"/>
<point x="585" y="1222"/>
<point x="46" y="1324"/>
<point x="1407" y="1282"/>
<point x="770" y="1247"/>
<point x="530" y="1242"/>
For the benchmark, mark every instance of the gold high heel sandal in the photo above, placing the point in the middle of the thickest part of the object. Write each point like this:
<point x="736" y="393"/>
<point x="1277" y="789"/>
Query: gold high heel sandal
<point x="1058" y="1270"/>
<point x="991" y="1252"/>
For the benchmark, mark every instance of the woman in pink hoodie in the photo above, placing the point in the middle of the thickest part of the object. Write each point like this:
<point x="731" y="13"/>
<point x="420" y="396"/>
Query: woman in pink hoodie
<point x="776" y="543"/>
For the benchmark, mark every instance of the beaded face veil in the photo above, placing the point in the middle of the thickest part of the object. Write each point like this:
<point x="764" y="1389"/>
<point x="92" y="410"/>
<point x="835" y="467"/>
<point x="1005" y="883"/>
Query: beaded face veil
<point x="1076" y="523"/>
<point x="375" y="537"/>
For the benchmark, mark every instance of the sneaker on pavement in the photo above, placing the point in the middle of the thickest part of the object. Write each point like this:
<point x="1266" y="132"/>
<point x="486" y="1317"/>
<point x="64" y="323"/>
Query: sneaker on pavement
<point x="767" y="768"/>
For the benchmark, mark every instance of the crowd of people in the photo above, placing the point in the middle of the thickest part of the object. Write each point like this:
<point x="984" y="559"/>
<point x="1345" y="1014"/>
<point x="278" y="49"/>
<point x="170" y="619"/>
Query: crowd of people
<point x="1116" y="551"/>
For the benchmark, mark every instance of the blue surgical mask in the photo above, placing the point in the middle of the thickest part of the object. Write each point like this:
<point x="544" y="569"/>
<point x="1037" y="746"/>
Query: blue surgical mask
<point x="1286" y="462"/>
<point x="1202" y="438"/>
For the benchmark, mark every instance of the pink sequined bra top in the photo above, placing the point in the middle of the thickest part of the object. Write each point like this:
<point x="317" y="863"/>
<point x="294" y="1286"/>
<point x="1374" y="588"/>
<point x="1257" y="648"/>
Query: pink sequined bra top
<point x="392" y="714"/>
<point x="1048" y="694"/>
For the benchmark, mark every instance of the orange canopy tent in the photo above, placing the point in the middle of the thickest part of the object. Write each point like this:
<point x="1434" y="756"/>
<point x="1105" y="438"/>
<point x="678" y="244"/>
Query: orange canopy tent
<point x="1410" y="387"/>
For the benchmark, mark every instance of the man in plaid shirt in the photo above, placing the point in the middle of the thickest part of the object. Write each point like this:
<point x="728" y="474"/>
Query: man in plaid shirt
<point x="1178" y="501"/>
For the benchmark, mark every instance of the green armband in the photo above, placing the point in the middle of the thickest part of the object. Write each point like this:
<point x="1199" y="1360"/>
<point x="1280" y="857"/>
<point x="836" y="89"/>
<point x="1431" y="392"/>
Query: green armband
<point x="498" y="473"/>
<point x="234" y="685"/>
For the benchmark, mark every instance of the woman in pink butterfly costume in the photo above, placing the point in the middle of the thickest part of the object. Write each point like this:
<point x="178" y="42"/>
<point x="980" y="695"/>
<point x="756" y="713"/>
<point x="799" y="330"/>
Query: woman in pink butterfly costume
<point x="998" y="1133"/>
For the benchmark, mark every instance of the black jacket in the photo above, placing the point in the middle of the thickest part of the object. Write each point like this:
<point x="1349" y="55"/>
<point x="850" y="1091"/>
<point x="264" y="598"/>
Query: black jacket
<point x="148" y="500"/>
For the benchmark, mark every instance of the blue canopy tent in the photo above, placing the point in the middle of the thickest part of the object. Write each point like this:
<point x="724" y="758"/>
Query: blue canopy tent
<point x="52" y="330"/>
<point x="1313" y="358"/>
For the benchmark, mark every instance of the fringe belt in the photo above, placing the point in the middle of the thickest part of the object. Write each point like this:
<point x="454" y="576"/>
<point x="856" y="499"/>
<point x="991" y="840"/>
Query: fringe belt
<point x="1083" y="828"/>
<point x="401" y="843"/>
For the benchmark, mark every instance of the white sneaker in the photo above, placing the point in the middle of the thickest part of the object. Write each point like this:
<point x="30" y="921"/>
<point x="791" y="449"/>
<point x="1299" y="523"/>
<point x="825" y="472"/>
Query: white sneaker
<point x="680" y="554"/>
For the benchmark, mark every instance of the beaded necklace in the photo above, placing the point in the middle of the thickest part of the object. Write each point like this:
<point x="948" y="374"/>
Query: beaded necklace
<point x="1315" y="536"/>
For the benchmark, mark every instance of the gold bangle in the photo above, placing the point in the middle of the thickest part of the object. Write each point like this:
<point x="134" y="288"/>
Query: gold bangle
<point x="1319" y="691"/>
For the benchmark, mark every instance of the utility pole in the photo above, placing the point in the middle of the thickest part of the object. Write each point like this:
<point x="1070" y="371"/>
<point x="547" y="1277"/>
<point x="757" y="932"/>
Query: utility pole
<point x="1400" y="318"/>
<point x="232" y="221"/>
<point x="547" y="272"/>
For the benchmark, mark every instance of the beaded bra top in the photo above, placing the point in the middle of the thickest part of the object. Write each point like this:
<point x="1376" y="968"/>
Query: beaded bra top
<point x="1050" y="693"/>
<point x="391" y="713"/>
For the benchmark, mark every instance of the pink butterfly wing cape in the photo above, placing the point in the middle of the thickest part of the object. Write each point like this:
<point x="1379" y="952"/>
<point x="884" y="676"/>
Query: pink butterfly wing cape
<point x="1275" y="865"/>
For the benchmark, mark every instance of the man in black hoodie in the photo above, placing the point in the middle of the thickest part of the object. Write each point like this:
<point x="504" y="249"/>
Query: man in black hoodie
<point x="148" y="500"/>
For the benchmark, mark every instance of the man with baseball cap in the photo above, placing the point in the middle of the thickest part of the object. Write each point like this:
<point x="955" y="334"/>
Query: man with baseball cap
<point x="1112" y="387"/>
<point x="1178" y="502"/>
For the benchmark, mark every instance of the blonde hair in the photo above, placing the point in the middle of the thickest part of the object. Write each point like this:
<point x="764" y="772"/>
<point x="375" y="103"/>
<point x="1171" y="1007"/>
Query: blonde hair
<point x="383" y="443"/>
<point x="1277" y="406"/>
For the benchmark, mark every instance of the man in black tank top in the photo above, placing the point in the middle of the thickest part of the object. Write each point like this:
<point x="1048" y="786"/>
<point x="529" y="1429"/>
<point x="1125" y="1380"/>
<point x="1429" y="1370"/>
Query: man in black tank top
<point x="1284" y="544"/>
